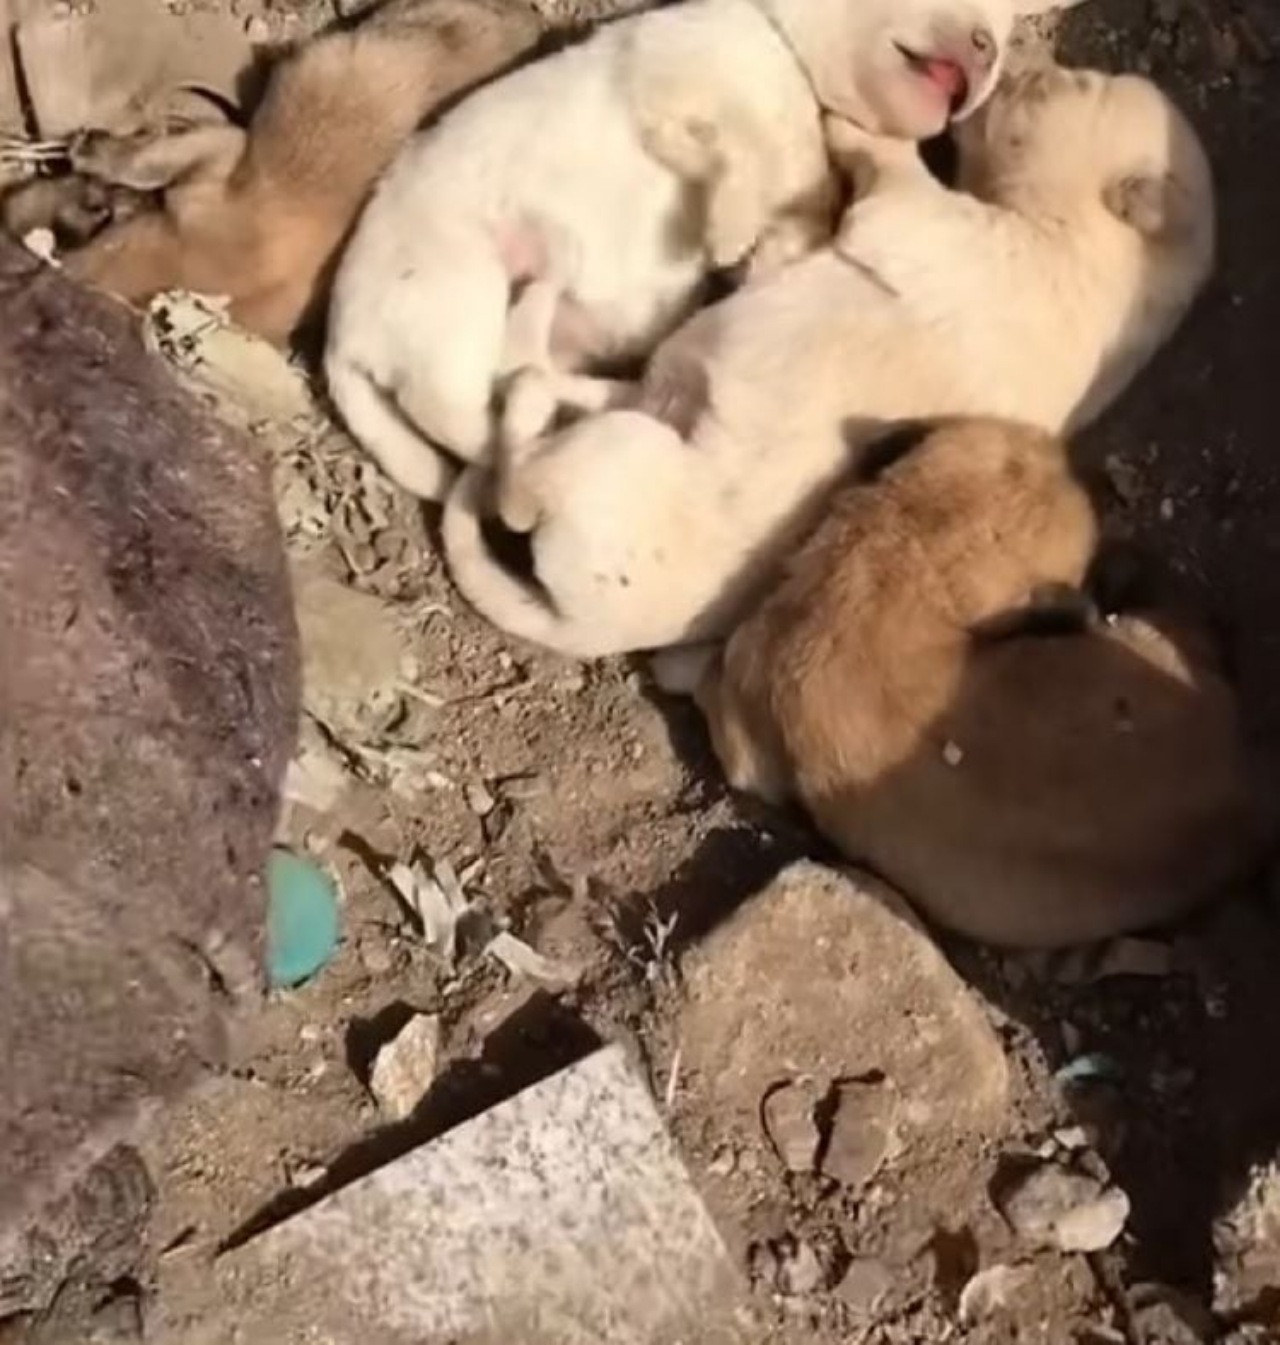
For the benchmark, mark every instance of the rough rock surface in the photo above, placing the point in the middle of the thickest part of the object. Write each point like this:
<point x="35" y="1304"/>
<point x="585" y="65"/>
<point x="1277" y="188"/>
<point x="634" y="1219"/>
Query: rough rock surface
<point x="148" y="696"/>
<point x="829" y="975"/>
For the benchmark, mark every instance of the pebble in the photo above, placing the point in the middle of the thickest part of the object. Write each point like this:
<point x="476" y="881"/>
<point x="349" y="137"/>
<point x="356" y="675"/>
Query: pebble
<point x="479" y="799"/>
<point x="1135" y="957"/>
<point x="792" y="1265"/>
<point x="860" y="1130"/>
<point x="1049" y="1206"/>
<point x="989" y="1291"/>
<point x="375" y="956"/>
<point x="865" y="1286"/>
<point x="788" y="1119"/>
<point x="405" y="1067"/>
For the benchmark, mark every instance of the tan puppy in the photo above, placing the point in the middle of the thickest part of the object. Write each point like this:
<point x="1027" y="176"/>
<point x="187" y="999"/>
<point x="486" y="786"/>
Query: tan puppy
<point x="1038" y="299"/>
<point x="601" y="185"/>
<point x="1023" y="789"/>
<point x="260" y="215"/>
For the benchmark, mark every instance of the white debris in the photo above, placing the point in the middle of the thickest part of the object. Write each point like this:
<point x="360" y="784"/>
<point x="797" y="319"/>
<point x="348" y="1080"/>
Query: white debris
<point x="521" y="960"/>
<point x="436" y="899"/>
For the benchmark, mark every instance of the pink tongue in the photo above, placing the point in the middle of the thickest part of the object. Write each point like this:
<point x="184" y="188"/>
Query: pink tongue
<point x="947" y="76"/>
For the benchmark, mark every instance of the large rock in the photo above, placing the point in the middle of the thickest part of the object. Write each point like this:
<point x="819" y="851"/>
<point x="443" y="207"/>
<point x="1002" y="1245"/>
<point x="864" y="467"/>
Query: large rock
<point x="148" y="696"/>
<point x="828" y="978"/>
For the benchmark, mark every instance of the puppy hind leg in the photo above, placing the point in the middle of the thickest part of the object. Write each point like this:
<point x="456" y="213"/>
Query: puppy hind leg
<point x="133" y="260"/>
<point x="373" y="419"/>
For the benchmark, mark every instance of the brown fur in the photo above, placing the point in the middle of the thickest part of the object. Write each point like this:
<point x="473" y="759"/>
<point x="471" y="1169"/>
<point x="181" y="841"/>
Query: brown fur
<point x="260" y="215"/>
<point x="1027" y="789"/>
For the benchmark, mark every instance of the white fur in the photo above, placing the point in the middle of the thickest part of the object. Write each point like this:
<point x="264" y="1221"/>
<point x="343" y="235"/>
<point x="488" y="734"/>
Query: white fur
<point x="1037" y="303"/>
<point x="616" y="173"/>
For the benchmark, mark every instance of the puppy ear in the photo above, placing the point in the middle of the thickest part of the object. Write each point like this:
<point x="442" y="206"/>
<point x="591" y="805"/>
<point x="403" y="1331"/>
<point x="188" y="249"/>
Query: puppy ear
<point x="1156" y="205"/>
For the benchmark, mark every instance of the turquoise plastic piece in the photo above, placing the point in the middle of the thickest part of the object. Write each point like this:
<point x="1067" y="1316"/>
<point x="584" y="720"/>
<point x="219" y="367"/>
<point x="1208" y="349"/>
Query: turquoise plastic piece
<point x="302" y="918"/>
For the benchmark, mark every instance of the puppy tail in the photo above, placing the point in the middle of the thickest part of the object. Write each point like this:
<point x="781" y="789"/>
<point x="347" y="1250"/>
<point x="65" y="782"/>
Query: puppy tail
<point x="498" y="595"/>
<point x="382" y="429"/>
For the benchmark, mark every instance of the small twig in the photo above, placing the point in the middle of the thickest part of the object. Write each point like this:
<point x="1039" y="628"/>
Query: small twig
<point x="673" y="1080"/>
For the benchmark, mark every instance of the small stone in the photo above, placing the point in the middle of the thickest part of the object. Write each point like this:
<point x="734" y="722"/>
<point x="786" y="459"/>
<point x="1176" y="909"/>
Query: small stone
<point x="724" y="1162"/>
<point x="1072" y="1138"/>
<point x="1161" y="1315"/>
<point x="1135" y="957"/>
<point x="406" y="1067"/>
<point x="375" y="956"/>
<point x="866" y="1285"/>
<point x="990" y="1291"/>
<point x="799" y="1269"/>
<point x="479" y="799"/>
<point x="307" y="1174"/>
<point x="1246" y="1240"/>
<point x="787" y="1115"/>
<point x="952" y="753"/>
<point x="861" y="1124"/>
<point x="1049" y="1206"/>
<point x="1125" y="479"/>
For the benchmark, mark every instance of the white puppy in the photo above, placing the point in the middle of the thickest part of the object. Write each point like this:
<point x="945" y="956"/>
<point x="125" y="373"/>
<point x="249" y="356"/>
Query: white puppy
<point x="1036" y="299"/>
<point x="607" y="180"/>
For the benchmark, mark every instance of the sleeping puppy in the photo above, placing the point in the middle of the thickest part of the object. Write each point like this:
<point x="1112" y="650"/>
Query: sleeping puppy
<point x="1038" y="297"/>
<point x="260" y="214"/>
<point x="1031" y="789"/>
<point x="604" y="182"/>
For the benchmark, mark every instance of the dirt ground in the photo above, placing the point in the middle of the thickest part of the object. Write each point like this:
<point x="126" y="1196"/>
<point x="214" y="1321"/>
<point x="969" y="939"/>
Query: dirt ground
<point x="583" y="813"/>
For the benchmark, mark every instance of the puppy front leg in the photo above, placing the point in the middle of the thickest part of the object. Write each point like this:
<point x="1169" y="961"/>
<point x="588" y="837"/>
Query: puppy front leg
<point x="527" y="343"/>
<point x="723" y="161"/>
<point x="872" y="161"/>
<point x="737" y="210"/>
<point x="589" y="396"/>
<point x="132" y="260"/>
<point x="528" y="411"/>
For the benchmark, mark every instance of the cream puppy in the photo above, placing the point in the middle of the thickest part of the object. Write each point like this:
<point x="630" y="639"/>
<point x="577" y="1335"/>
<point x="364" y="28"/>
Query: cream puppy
<point x="1022" y="783"/>
<point x="604" y="182"/>
<point x="1038" y="297"/>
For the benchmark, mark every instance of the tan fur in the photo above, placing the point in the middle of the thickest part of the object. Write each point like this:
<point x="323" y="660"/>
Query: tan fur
<point x="1031" y="790"/>
<point x="261" y="215"/>
<point x="1038" y="299"/>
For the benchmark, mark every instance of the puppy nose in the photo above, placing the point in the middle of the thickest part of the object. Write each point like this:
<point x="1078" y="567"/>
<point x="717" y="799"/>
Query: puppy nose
<point x="984" y="43"/>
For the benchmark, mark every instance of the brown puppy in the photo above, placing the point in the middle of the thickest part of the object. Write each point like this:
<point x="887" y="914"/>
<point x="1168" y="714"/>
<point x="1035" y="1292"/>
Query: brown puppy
<point x="1025" y="789"/>
<point x="260" y="215"/>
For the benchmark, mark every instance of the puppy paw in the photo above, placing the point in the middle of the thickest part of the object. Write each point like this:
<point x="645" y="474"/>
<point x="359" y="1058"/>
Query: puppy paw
<point x="735" y="219"/>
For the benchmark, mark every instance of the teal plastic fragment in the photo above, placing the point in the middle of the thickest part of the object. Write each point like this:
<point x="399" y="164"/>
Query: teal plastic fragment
<point x="302" y="918"/>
